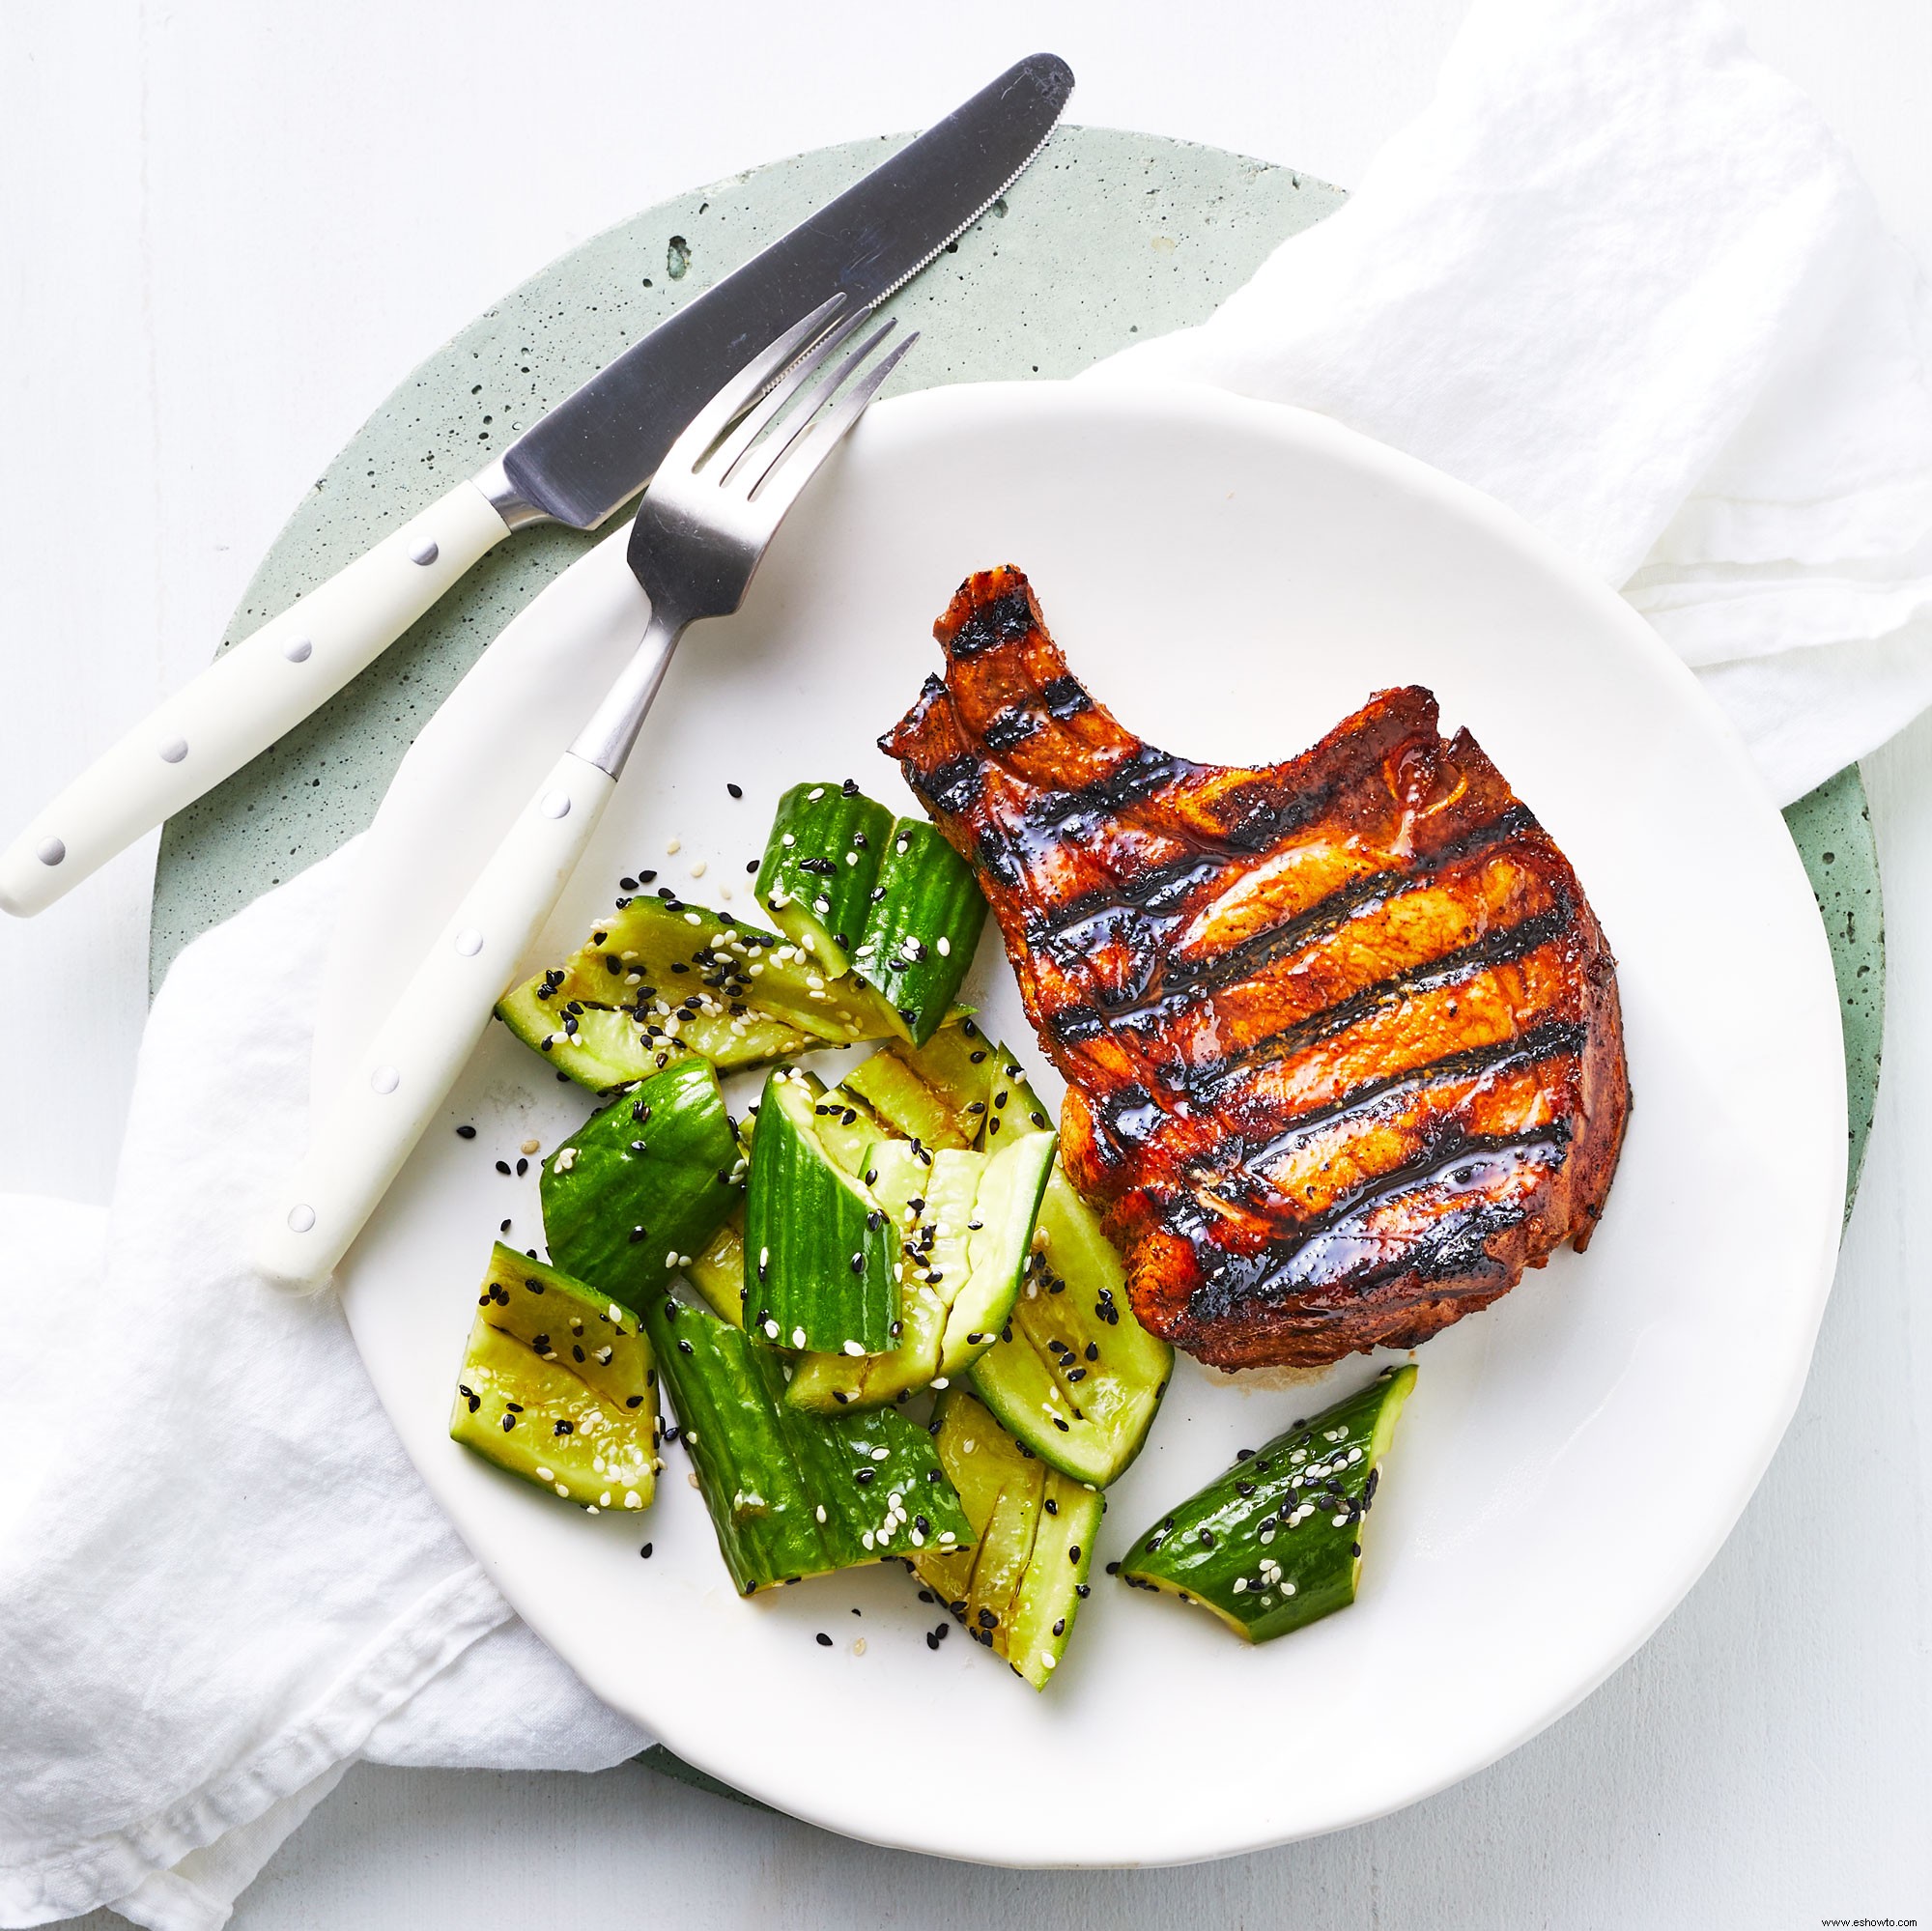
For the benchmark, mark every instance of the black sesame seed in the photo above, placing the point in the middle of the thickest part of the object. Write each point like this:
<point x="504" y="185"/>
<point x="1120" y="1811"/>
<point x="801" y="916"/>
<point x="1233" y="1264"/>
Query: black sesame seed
<point x="824" y="1641"/>
<point x="466" y="1132"/>
<point x="1113" y="1568"/>
<point x="736" y="790"/>
<point x="502" y="1166"/>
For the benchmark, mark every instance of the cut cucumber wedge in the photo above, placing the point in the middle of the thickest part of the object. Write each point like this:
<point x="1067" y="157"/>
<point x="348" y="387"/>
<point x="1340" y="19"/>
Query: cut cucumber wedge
<point x="884" y="898"/>
<point x="820" y="866"/>
<point x="793" y="1495"/>
<point x="1074" y="1374"/>
<point x="965" y="1225"/>
<point x="645" y="1182"/>
<point x="660" y="979"/>
<point x="921" y="929"/>
<point x="558" y="1386"/>
<point x="1018" y="1590"/>
<point x="1276" y="1542"/>
<point x="824" y="1257"/>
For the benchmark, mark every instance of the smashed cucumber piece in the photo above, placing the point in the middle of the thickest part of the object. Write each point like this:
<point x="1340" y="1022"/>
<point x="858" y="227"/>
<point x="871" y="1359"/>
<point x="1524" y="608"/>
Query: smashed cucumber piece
<point x="965" y="1225"/>
<point x="922" y="928"/>
<point x="1018" y="1590"/>
<point x="660" y="979"/>
<point x="1073" y="1375"/>
<point x="886" y="901"/>
<point x="558" y="1386"/>
<point x="824" y="1257"/>
<point x="642" y="1184"/>
<point x="792" y="1495"/>
<point x="1276" y="1542"/>
<point x="821" y="863"/>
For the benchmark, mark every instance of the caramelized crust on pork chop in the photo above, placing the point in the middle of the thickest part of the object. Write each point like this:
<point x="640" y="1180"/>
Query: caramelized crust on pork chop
<point x="1341" y="1036"/>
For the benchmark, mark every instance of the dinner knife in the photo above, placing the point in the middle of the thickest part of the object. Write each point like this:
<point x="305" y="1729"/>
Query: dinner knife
<point x="576" y="465"/>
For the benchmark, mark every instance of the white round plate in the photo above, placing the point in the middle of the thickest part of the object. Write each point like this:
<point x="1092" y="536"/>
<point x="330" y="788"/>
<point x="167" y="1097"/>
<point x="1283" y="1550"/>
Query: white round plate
<point x="1231" y="579"/>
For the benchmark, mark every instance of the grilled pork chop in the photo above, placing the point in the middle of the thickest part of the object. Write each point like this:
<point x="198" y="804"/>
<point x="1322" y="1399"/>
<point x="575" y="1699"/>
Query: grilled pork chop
<point x="1341" y="1036"/>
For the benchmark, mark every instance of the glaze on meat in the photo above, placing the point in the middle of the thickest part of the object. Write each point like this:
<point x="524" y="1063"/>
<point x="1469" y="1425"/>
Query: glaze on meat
<point x="1341" y="1036"/>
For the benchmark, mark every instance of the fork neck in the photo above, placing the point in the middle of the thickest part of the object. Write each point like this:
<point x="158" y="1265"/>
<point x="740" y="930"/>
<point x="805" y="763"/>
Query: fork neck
<point x="605" y="741"/>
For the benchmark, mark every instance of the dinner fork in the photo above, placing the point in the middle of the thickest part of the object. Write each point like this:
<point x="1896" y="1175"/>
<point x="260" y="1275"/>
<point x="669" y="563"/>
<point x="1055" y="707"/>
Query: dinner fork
<point x="701" y="528"/>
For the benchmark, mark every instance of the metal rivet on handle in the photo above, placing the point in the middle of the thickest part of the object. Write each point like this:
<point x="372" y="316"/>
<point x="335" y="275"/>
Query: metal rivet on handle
<point x="50" y="851"/>
<point x="425" y="553"/>
<point x="385" y="1079"/>
<point x="297" y="649"/>
<point x="173" y="750"/>
<point x="300" y="1219"/>
<point x="470" y="942"/>
<point x="555" y="804"/>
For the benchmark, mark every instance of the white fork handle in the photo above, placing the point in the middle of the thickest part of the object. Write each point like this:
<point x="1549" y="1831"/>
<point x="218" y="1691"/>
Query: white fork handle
<point x="364" y="1134"/>
<point x="244" y="700"/>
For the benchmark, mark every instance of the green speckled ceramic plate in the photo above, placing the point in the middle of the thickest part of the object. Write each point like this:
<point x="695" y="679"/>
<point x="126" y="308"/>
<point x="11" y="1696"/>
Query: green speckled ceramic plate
<point x="1111" y="236"/>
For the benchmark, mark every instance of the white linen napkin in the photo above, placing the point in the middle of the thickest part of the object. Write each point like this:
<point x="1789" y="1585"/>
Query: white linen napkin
<point x="1622" y="276"/>
<point x="1618" y="274"/>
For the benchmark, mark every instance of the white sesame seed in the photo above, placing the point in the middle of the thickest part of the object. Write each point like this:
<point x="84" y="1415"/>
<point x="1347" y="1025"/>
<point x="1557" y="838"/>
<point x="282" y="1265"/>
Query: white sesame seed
<point x="632" y="1499"/>
<point x="854" y="1347"/>
<point x="797" y="1337"/>
<point x="673" y="846"/>
<point x="945" y="946"/>
<point x="859" y="1646"/>
<point x="878" y="1455"/>
<point x="787" y="839"/>
<point x="564" y="1490"/>
<point x="816" y="792"/>
<point x="545" y="1475"/>
<point x="698" y="867"/>
<point x="819" y="1512"/>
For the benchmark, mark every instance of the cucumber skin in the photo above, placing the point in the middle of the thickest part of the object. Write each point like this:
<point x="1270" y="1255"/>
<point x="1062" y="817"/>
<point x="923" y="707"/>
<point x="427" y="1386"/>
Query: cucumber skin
<point x="1320" y="1562"/>
<point x="765" y="1471"/>
<point x="608" y="1405"/>
<point x="928" y="895"/>
<point x="826" y="824"/>
<point x="678" y="1189"/>
<point x="806" y="1221"/>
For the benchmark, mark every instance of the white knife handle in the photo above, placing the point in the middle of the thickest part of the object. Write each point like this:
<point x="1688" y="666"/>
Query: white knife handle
<point x="247" y="698"/>
<point x="364" y="1134"/>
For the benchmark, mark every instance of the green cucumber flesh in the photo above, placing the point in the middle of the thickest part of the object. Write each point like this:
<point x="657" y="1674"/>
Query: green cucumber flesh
<point x="1074" y="1374"/>
<point x="965" y="1224"/>
<point x="821" y="863"/>
<point x="824" y="1257"/>
<point x="718" y="1273"/>
<point x="558" y="1386"/>
<point x="645" y="1182"/>
<point x="793" y="1495"/>
<point x="1019" y="1589"/>
<point x="921" y="929"/>
<point x="1276" y="1542"/>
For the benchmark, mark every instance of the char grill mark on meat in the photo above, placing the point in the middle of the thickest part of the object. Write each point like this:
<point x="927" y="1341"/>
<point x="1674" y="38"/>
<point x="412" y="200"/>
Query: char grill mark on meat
<point x="1341" y="1035"/>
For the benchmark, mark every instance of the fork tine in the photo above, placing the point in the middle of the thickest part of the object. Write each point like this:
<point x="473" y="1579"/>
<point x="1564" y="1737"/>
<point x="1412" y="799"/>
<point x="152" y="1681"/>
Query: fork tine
<point x="744" y="390"/>
<point x="816" y="432"/>
<point x="739" y="438"/>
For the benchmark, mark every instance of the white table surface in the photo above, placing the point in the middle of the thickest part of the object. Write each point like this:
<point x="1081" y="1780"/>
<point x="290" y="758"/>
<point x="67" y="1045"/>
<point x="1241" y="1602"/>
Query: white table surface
<point x="229" y="228"/>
